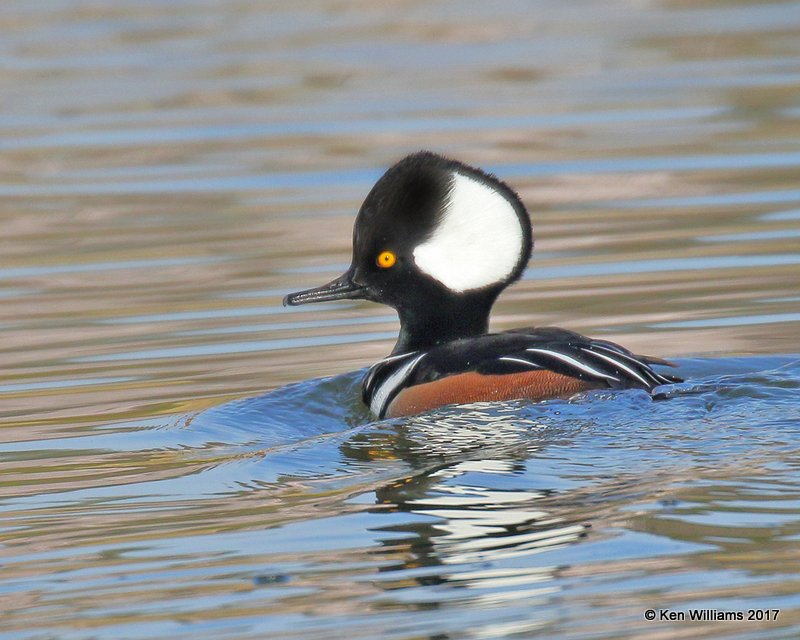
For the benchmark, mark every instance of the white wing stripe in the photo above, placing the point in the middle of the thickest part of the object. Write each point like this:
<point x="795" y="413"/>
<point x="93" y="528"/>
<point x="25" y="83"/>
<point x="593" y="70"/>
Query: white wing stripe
<point x="520" y="361"/>
<point x="617" y="364"/>
<point x="382" y="393"/>
<point x="573" y="362"/>
<point x="631" y="359"/>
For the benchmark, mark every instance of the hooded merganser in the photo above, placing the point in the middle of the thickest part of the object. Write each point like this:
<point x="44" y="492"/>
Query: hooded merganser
<point x="438" y="241"/>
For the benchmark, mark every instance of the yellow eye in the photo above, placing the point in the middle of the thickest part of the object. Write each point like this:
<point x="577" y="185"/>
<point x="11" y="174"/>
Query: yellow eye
<point x="386" y="259"/>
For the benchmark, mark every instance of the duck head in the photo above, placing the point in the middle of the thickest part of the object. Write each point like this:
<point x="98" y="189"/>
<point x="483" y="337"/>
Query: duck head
<point x="438" y="241"/>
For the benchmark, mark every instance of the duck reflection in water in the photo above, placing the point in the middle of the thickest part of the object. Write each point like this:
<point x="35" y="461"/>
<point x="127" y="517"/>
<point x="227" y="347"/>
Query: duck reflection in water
<point x="479" y="519"/>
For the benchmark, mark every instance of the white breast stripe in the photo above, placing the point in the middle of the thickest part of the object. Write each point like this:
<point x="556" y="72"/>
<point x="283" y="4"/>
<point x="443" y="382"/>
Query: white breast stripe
<point x="370" y="377"/>
<point x="382" y="393"/>
<point x="374" y="368"/>
<point x="520" y="361"/>
<point x="396" y="356"/>
<point x="575" y="363"/>
<point x="617" y="364"/>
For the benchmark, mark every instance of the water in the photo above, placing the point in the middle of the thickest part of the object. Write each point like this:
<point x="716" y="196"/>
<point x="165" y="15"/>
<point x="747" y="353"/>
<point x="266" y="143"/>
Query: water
<point x="169" y="171"/>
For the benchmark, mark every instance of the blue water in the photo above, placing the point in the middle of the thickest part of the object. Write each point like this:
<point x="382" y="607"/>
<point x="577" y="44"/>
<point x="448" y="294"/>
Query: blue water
<point x="494" y="518"/>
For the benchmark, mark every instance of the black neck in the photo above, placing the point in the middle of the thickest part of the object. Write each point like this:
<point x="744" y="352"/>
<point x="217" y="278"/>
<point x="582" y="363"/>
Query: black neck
<point x="441" y="321"/>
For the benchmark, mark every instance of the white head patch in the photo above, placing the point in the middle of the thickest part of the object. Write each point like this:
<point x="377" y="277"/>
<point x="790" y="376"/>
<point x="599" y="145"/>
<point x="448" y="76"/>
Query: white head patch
<point x="478" y="241"/>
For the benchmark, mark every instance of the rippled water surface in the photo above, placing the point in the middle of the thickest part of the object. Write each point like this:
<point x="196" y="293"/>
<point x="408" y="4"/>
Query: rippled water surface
<point x="183" y="457"/>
